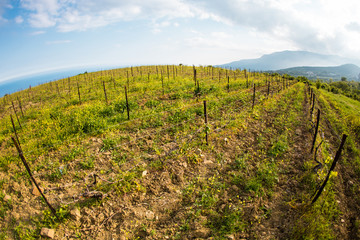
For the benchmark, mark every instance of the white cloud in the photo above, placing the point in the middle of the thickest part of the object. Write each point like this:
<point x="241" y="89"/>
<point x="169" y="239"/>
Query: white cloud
<point x="71" y="15"/>
<point x="353" y="26"/>
<point x="37" y="33"/>
<point x="220" y="40"/>
<point x="4" y="4"/>
<point x="19" y="20"/>
<point x="58" y="42"/>
<point x="315" y="25"/>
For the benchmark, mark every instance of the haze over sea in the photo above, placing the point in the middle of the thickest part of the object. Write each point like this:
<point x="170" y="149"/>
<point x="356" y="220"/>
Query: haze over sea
<point x="21" y="83"/>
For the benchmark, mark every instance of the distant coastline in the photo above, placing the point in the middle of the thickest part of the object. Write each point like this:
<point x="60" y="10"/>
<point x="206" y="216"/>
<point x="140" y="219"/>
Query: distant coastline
<point x="22" y="83"/>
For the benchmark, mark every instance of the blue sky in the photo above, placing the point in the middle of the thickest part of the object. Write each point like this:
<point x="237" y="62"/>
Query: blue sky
<point x="42" y="35"/>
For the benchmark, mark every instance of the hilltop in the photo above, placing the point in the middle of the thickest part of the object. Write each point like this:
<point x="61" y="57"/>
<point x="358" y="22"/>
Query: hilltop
<point x="350" y="71"/>
<point x="178" y="152"/>
<point x="289" y="59"/>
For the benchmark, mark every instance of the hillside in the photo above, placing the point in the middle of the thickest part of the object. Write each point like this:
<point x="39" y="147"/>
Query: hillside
<point x="289" y="59"/>
<point x="146" y="162"/>
<point x="350" y="71"/>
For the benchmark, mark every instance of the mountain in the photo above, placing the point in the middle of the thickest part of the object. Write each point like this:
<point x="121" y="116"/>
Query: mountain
<point x="350" y="71"/>
<point x="289" y="59"/>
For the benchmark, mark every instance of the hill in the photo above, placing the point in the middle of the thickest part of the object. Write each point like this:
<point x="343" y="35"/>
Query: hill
<point x="178" y="152"/>
<point x="288" y="59"/>
<point x="350" y="71"/>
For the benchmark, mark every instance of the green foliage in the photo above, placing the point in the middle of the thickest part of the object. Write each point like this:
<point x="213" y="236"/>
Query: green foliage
<point x="279" y="147"/>
<point x="22" y="232"/>
<point x="88" y="163"/>
<point x="229" y="221"/>
<point x="108" y="144"/>
<point x="50" y="221"/>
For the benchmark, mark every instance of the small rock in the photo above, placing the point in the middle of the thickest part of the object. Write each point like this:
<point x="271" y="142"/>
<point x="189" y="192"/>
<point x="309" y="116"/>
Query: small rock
<point x="207" y="161"/>
<point x="7" y="198"/>
<point x="75" y="214"/>
<point x="149" y="215"/>
<point x="298" y="132"/>
<point x="16" y="187"/>
<point x="234" y="188"/>
<point x="35" y="191"/>
<point x="198" y="151"/>
<point x="342" y="220"/>
<point x="201" y="233"/>
<point x="144" y="173"/>
<point x="226" y="140"/>
<point x="46" y="232"/>
<point x="230" y="237"/>
<point x="184" y="164"/>
<point x="351" y="183"/>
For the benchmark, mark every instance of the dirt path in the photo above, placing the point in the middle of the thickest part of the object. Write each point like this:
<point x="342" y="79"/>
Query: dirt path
<point x="283" y="207"/>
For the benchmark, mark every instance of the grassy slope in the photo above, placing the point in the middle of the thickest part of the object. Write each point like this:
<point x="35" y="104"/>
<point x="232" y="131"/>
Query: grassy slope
<point x="156" y="175"/>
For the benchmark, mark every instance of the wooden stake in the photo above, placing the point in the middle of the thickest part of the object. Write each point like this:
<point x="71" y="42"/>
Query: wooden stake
<point x="313" y="105"/>
<point x="78" y="92"/>
<point x="21" y="155"/>
<point x="162" y="84"/>
<point x="106" y="100"/>
<point x="206" y="124"/>
<point x="194" y="76"/>
<point x="336" y="159"/>
<point x="16" y="113"/>
<point x="253" y="103"/>
<point x="316" y="131"/>
<point x="127" y="104"/>
<point x="127" y="78"/>
<point x="22" y="113"/>
<point x="228" y="83"/>
<point x="13" y="125"/>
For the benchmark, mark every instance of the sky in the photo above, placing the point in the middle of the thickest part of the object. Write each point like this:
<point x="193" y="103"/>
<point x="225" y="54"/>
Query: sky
<point x="44" y="35"/>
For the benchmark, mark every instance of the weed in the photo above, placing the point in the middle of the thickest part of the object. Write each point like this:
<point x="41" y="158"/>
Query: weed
<point x="88" y="163"/>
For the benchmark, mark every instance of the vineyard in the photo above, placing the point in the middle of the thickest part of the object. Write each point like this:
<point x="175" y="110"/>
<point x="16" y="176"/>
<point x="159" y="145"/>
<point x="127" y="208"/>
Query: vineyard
<point x="179" y="152"/>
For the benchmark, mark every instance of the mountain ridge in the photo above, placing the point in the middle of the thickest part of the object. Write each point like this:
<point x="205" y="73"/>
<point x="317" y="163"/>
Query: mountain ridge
<point x="284" y="60"/>
<point x="350" y="71"/>
<point x="287" y="59"/>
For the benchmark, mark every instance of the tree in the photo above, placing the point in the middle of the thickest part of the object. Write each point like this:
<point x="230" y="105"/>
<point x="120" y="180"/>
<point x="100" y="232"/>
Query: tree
<point x="343" y="79"/>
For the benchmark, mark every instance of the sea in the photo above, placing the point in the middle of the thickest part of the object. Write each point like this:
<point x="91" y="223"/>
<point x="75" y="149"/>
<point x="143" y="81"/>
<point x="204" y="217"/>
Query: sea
<point x="22" y="83"/>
